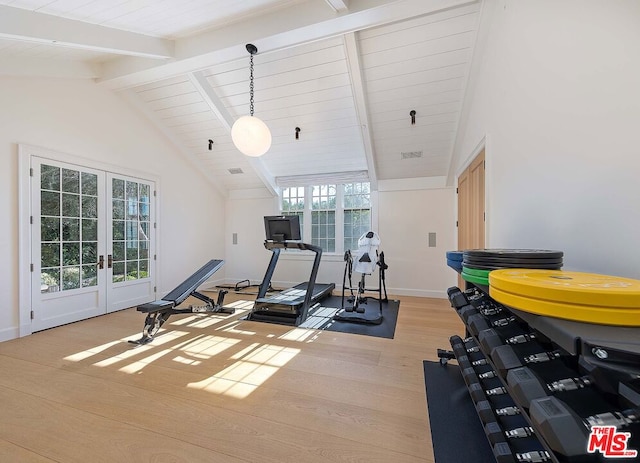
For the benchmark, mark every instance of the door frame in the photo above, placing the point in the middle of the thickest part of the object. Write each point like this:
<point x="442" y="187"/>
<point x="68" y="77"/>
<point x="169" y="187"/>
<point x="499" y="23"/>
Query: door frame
<point x="25" y="153"/>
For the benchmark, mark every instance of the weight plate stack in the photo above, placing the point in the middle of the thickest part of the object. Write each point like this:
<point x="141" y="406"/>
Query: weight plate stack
<point x="454" y="260"/>
<point x="478" y="263"/>
<point x="494" y="259"/>
<point x="576" y="296"/>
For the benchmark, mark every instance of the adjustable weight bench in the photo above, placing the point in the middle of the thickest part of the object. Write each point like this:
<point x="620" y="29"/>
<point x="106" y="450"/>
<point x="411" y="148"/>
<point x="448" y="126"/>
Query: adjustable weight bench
<point x="159" y="311"/>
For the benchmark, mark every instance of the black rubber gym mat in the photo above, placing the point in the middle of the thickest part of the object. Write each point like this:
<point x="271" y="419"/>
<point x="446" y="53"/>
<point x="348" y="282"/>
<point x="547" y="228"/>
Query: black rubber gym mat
<point x="456" y="430"/>
<point x="386" y="329"/>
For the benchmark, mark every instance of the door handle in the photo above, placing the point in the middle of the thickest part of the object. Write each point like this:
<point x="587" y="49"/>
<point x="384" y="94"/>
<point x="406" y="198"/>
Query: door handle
<point x="109" y="261"/>
<point x="101" y="262"/>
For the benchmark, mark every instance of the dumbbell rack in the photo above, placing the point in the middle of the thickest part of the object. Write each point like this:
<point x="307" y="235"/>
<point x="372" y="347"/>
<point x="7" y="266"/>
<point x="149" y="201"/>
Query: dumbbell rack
<point x="538" y="383"/>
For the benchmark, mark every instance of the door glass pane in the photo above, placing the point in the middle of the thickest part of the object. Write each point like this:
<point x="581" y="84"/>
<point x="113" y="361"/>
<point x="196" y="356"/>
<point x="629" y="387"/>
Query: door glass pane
<point x="90" y="230"/>
<point x="132" y="270"/>
<point x="118" y="251"/>
<point x="89" y="184"/>
<point x="89" y="275"/>
<point x="50" y="203"/>
<point x="50" y="280"/>
<point x="70" y="229"/>
<point x="50" y="229"/>
<point x="118" y="188"/>
<point x="90" y="207"/>
<point x="70" y="181"/>
<point x="118" y="209"/>
<point x="118" y="272"/>
<point x="50" y="178"/>
<point x="131" y="203"/>
<point x="69" y="245"/>
<point x="70" y="278"/>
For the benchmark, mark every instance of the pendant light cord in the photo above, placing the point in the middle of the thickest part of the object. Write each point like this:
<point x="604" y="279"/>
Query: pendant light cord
<point x="251" y="84"/>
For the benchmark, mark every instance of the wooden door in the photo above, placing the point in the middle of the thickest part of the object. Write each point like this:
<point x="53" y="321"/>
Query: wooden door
<point x="471" y="213"/>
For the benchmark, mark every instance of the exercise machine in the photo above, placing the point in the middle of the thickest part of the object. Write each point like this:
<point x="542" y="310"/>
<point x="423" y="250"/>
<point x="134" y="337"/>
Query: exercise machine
<point x="363" y="261"/>
<point x="159" y="311"/>
<point x="290" y="306"/>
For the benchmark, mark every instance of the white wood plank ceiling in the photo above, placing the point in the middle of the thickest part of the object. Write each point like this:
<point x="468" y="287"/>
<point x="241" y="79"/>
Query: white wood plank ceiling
<point x="346" y="72"/>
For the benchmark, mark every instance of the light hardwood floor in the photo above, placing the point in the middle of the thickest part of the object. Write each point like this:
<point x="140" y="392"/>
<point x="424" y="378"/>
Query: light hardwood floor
<point x="217" y="389"/>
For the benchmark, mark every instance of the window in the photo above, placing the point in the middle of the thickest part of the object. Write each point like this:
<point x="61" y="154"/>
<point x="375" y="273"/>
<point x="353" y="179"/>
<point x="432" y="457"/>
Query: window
<point x="332" y="216"/>
<point x="323" y="217"/>
<point x="293" y="204"/>
<point x="357" y="213"/>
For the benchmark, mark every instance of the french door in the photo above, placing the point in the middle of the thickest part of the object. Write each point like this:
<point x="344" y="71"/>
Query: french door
<point x="92" y="242"/>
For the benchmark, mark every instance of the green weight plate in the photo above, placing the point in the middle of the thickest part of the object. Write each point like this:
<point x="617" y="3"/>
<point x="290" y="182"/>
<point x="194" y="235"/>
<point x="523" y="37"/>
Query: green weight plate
<point x="474" y="279"/>
<point x="476" y="272"/>
<point x="514" y="253"/>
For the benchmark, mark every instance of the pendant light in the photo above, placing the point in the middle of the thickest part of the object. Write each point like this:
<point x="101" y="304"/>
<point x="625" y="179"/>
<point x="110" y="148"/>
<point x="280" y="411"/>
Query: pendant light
<point x="250" y="134"/>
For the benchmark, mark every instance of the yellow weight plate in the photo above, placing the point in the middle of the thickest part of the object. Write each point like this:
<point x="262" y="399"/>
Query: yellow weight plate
<point x="583" y="289"/>
<point x="575" y="312"/>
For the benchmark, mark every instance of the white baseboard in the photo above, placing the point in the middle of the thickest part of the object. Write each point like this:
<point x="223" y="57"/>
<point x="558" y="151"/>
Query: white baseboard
<point x="9" y="333"/>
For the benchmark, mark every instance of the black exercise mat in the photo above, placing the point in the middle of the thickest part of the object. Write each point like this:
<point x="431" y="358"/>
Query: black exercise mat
<point x="386" y="329"/>
<point x="456" y="430"/>
<point x="321" y="318"/>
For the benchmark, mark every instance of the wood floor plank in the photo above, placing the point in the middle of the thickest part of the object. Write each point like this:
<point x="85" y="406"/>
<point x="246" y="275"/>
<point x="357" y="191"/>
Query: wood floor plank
<point x="10" y="452"/>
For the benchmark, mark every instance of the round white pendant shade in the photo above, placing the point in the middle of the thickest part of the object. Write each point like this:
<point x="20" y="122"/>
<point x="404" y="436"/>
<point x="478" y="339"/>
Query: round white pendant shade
<point x="251" y="136"/>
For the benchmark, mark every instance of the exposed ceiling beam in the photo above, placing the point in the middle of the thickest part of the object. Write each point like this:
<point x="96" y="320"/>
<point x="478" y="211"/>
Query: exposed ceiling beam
<point x="359" y="95"/>
<point x="209" y="95"/>
<point x="306" y="23"/>
<point x="338" y="5"/>
<point x="30" y="26"/>
<point x="132" y="98"/>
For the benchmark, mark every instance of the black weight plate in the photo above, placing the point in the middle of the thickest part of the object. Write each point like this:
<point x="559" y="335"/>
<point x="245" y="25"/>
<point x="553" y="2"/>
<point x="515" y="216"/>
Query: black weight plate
<point x="510" y="260"/>
<point x="498" y="267"/>
<point x="514" y="253"/>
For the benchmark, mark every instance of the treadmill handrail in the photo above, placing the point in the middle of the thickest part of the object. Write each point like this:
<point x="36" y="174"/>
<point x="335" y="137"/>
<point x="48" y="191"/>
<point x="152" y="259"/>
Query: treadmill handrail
<point x="291" y="244"/>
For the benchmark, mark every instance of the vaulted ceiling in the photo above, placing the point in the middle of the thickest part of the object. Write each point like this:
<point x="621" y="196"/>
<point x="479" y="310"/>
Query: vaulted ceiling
<point x="346" y="72"/>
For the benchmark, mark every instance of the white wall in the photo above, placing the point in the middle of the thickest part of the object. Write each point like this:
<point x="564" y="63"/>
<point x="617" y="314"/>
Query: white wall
<point x="554" y="88"/>
<point x="405" y="219"/>
<point x="82" y="119"/>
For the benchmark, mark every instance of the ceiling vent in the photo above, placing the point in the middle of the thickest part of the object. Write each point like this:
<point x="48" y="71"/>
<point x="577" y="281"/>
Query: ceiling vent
<point x="410" y="154"/>
<point x="235" y="170"/>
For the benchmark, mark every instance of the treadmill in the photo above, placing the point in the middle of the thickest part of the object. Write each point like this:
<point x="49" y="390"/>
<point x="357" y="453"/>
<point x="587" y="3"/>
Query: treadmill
<point x="291" y="306"/>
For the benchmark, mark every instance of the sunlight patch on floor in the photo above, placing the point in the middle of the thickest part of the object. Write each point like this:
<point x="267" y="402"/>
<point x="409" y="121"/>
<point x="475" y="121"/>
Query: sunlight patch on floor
<point x="241" y="305"/>
<point x="233" y="328"/>
<point x="299" y="335"/>
<point x="208" y="346"/>
<point x="256" y="365"/>
<point x="85" y="354"/>
<point x="138" y="365"/>
<point x="166" y="337"/>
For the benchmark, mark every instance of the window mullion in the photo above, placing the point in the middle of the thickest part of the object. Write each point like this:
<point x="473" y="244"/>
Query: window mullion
<point x="307" y="214"/>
